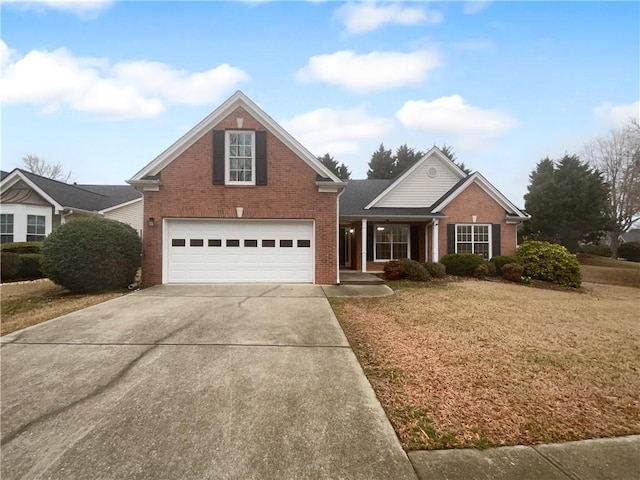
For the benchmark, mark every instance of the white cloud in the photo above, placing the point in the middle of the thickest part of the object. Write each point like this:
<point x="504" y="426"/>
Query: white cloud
<point x="477" y="6"/>
<point x="138" y="89"/>
<point x="365" y="17"/>
<point x="451" y="115"/>
<point x="618" y="115"/>
<point x="87" y="9"/>
<point x="338" y="132"/>
<point x="369" y="72"/>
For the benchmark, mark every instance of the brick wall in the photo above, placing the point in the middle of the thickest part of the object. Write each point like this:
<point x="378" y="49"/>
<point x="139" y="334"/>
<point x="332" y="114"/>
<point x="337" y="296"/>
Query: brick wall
<point x="187" y="191"/>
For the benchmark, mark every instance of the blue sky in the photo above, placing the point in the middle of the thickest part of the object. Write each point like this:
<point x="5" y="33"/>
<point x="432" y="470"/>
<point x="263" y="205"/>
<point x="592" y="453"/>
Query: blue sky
<point x="104" y="87"/>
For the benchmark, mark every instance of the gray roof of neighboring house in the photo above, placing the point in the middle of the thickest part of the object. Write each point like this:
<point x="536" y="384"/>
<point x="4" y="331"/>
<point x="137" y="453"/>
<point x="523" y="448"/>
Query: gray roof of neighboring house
<point x="359" y="193"/>
<point x="84" y="197"/>
<point x="632" y="235"/>
<point x="3" y="174"/>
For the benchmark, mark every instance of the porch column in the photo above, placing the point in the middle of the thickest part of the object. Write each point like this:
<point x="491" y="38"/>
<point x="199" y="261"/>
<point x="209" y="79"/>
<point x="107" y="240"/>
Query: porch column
<point x="434" y="242"/>
<point x="426" y="242"/>
<point x="364" y="245"/>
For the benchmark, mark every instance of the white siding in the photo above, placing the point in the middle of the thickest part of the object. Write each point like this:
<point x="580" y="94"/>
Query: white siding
<point x="20" y="213"/>
<point x="131" y="214"/>
<point x="419" y="189"/>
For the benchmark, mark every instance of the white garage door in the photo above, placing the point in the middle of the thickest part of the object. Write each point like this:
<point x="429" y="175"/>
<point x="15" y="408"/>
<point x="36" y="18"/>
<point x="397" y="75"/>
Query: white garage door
<point x="213" y="251"/>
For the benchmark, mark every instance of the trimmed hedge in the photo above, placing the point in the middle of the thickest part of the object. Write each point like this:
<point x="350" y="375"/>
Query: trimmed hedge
<point x="630" y="251"/>
<point x="501" y="260"/>
<point x="9" y="265"/>
<point x="406" y="269"/>
<point x="435" y="269"/>
<point x="550" y="263"/>
<point x="463" y="264"/>
<point x="513" y="272"/>
<point x="30" y="266"/>
<point x="22" y="247"/>
<point x="92" y="254"/>
<point x="600" y="250"/>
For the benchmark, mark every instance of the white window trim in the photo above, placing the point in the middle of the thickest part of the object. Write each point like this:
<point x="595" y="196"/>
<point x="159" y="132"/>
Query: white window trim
<point x="227" y="147"/>
<point x="43" y="235"/>
<point x="473" y="242"/>
<point x="375" y="250"/>
<point x="13" y="227"/>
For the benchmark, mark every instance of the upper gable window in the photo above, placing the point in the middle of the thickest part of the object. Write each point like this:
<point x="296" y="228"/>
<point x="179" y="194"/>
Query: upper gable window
<point x="240" y="158"/>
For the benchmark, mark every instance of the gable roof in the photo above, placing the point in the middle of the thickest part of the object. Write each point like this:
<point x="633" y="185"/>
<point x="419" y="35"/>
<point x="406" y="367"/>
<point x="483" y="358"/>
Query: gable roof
<point x="435" y="151"/>
<point x="238" y="99"/>
<point x="3" y="174"/>
<point x="92" y="198"/>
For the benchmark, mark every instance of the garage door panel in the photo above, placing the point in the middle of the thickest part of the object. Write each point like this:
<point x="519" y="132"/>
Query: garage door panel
<point x="262" y="251"/>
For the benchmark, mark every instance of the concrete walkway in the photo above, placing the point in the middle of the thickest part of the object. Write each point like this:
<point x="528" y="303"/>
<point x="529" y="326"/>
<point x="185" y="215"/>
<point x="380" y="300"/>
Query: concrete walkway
<point x="194" y="382"/>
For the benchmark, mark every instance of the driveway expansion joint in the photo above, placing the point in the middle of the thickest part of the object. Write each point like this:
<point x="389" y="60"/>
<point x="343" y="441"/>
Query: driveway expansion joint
<point x="556" y="464"/>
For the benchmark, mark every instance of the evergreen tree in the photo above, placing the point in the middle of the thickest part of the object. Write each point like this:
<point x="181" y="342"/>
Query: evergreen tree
<point x="405" y="157"/>
<point x="382" y="164"/>
<point x="340" y="170"/>
<point x="451" y="155"/>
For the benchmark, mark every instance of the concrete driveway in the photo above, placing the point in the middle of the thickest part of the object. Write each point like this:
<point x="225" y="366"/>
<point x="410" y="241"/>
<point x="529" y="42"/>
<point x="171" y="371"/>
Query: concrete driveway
<point x="194" y="382"/>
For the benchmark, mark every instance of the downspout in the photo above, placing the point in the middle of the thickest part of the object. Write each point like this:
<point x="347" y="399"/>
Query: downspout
<point x="338" y="236"/>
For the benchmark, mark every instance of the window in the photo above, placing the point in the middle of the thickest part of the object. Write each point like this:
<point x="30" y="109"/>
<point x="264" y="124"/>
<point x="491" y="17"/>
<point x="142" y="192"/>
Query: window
<point x="304" y="243"/>
<point x="240" y="158"/>
<point x="473" y="239"/>
<point x="196" y="242"/>
<point x="251" y="243"/>
<point x="215" y="242"/>
<point x="286" y="243"/>
<point x="268" y="243"/>
<point x="178" y="242"/>
<point x="6" y="227"/>
<point x="35" y="228"/>
<point x="391" y="242"/>
<point x="233" y="243"/>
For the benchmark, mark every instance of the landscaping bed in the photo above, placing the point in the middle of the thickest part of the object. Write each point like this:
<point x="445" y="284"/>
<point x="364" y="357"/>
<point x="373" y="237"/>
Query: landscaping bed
<point x="28" y="303"/>
<point x="477" y="363"/>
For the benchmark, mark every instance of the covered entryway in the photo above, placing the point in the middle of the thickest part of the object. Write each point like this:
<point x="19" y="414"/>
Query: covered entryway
<point x="260" y="251"/>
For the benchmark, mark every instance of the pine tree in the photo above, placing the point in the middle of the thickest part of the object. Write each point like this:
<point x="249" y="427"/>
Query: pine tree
<point x="382" y="164"/>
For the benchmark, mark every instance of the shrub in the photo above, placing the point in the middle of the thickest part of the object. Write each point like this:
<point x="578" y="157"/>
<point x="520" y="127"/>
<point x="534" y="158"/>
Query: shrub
<point x="30" y="266"/>
<point x="501" y="260"/>
<point x="393" y="270"/>
<point x="513" y="272"/>
<point x="463" y="264"/>
<point x="600" y="250"/>
<point x="435" y="269"/>
<point x="406" y="269"/>
<point x="630" y="251"/>
<point x="485" y="269"/>
<point x="9" y="265"/>
<point x="92" y="254"/>
<point x="22" y="247"/>
<point x="549" y="262"/>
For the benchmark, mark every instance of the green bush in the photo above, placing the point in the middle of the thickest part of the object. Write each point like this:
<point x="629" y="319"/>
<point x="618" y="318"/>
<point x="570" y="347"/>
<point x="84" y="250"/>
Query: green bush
<point x="22" y="247"/>
<point x="463" y="264"/>
<point x="406" y="269"/>
<point x="600" y="250"/>
<point x="630" y="251"/>
<point x="513" y="272"/>
<point x="92" y="254"/>
<point x="9" y="265"/>
<point x="485" y="269"/>
<point x="435" y="269"/>
<point x="549" y="262"/>
<point x="30" y="266"/>
<point x="501" y="260"/>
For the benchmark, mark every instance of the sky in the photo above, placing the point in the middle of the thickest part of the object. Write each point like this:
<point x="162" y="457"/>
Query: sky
<point x="104" y="87"/>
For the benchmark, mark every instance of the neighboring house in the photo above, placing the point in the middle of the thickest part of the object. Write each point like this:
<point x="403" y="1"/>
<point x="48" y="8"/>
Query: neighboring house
<point x="31" y="205"/>
<point x="238" y="199"/>
<point x="433" y="209"/>
<point x="632" y="235"/>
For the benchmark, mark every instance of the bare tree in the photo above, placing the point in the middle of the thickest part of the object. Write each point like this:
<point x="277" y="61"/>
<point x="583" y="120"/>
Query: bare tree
<point x="44" y="169"/>
<point x="617" y="157"/>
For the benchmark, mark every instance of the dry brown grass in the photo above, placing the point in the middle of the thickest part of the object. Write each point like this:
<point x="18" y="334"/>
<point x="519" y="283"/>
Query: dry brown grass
<point x="609" y="271"/>
<point x="481" y="363"/>
<point x="26" y="304"/>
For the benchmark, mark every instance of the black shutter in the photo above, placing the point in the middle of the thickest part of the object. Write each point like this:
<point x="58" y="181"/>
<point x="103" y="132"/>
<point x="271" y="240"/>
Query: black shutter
<point x="261" y="158"/>
<point x="369" y="243"/>
<point x="495" y="239"/>
<point x="451" y="238"/>
<point x="218" y="157"/>
<point x="415" y="243"/>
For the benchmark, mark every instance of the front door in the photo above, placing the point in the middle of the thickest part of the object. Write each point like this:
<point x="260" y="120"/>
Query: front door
<point x="345" y="246"/>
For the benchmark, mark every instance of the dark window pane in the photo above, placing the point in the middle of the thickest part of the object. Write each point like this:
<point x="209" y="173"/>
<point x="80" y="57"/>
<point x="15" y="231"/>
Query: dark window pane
<point x="233" y="243"/>
<point x="6" y="238"/>
<point x="251" y="243"/>
<point x="215" y="243"/>
<point x="178" y="242"/>
<point x="286" y="243"/>
<point x="196" y="242"/>
<point x="304" y="243"/>
<point x="268" y="243"/>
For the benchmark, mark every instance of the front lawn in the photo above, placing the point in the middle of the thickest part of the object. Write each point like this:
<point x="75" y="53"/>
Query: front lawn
<point x="29" y="303"/>
<point x="478" y="363"/>
<point x="608" y="270"/>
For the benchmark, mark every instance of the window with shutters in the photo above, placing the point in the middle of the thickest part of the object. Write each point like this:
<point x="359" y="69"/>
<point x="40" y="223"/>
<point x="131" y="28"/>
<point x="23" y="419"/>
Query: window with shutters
<point x="474" y="238"/>
<point x="240" y="158"/>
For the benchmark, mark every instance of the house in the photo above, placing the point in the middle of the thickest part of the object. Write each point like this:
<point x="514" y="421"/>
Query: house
<point x="238" y="199"/>
<point x="32" y="205"/>
<point x="432" y="209"/>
